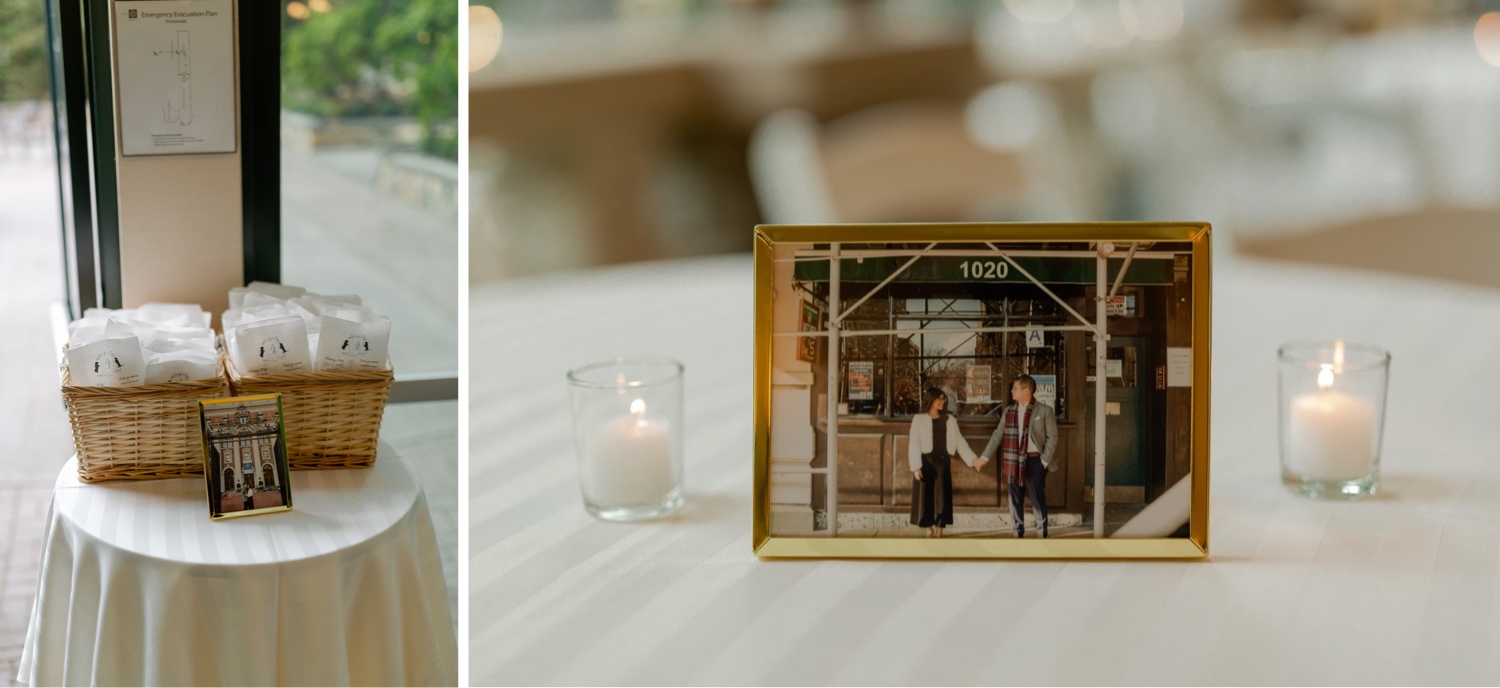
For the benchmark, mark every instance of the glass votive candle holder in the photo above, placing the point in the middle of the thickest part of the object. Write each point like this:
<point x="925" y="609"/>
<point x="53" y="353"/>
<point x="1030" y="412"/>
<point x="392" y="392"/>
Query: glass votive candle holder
<point x="1332" y="417"/>
<point x="627" y="421"/>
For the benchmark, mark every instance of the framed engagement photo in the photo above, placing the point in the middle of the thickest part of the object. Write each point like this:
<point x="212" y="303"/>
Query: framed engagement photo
<point x="958" y="380"/>
<point x="244" y="456"/>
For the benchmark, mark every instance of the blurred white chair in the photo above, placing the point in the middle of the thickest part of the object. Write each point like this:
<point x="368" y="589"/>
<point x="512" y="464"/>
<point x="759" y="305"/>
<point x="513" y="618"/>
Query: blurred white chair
<point x="1169" y="138"/>
<point x="787" y="170"/>
<point x="909" y="161"/>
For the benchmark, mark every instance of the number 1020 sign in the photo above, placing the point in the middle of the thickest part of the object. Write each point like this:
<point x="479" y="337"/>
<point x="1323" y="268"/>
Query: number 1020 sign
<point x="984" y="269"/>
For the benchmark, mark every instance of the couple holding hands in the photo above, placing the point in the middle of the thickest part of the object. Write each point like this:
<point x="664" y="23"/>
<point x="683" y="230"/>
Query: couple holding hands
<point x="1026" y="439"/>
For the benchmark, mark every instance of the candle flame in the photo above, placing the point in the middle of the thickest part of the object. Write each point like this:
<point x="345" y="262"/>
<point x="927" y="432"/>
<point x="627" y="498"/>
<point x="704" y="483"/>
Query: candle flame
<point x="638" y="407"/>
<point x="1338" y="356"/>
<point x="1325" y="377"/>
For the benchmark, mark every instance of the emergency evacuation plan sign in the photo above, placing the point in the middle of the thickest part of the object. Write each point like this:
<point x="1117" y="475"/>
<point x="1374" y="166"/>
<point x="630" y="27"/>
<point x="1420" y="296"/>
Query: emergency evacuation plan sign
<point x="175" y="73"/>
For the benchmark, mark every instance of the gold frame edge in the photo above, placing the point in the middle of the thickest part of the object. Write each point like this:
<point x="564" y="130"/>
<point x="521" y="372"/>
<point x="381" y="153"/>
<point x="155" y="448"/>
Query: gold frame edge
<point x="1195" y="546"/>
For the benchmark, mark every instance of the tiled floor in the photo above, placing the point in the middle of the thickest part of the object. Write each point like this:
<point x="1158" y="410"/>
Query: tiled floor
<point x="34" y="435"/>
<point x="23" y="512"/>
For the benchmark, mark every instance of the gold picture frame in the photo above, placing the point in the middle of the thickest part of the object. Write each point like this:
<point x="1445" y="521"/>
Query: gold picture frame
<point x="244" y="456"/>
<point x="1172" y="260"/>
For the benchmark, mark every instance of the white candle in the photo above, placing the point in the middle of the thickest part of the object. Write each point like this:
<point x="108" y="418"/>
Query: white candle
<point x="1332" y="433"/>
<point x="630" y="462"/>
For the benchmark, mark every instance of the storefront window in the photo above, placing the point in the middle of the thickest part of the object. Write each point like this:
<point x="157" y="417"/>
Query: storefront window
<point x="864" y="359"/>
<point x="930" y="340"/>
<point x="939" y="352"/>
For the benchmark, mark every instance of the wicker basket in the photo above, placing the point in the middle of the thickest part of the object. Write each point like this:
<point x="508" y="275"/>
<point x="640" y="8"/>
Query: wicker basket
<point x="139" y="433"/>
<point x="332" y="419"/>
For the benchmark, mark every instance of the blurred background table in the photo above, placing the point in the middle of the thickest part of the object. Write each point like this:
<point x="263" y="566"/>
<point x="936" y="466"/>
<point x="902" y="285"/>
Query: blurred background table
<point x="1398" y="589"/>
<point x="606" y="131"/>
<point x="138" y="587"/>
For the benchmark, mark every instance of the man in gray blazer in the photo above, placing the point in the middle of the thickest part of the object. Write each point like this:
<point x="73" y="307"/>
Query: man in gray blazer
<point x="1025" y="457"/>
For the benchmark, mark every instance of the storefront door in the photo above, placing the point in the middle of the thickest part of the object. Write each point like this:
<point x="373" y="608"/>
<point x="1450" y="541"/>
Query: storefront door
<point x="1125" y="474"/>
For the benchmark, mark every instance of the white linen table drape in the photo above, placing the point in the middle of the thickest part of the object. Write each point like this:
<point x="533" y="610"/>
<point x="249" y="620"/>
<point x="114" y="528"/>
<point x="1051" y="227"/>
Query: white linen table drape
<point x="139" y="587"/>
<point x="1400" y="589"/>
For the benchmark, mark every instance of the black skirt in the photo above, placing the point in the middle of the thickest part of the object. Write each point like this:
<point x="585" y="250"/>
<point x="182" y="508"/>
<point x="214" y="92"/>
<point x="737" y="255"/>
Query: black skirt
<point x="932" y="496"/>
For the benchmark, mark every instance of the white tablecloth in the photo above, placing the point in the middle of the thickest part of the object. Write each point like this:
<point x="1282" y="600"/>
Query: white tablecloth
<point x="138" y="587"/>
<point x="1401" y="589"/>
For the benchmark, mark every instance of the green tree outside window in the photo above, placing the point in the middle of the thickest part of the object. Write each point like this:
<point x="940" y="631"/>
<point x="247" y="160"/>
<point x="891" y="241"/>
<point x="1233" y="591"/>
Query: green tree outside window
<point x="23" y="51"/>
<point x="364" y="58"/>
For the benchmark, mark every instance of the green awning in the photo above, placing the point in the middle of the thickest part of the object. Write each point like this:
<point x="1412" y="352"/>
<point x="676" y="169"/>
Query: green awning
<point x="1063" y="270"/>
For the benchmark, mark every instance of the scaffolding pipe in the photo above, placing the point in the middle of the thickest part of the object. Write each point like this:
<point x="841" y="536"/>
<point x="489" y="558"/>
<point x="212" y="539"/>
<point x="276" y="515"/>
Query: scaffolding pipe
<point x="808" y="256"/>
<point x="798" y="470"/>
<point x="943" y="330"/>
<point x="1005" y="359"/>
<point x="1101" y="357"/>
<point x="834" y="318"/>
<point x="1120" y="278"/>
<point x="882" y="284"/>
<point x="1039" y="284"/>
<point x="1101" y="354"/>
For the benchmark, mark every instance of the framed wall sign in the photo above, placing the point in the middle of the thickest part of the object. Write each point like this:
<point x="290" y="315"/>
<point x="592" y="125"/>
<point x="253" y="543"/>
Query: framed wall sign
<point x="1046" y="389"/>
<point x="861" y="380"/>
<point x="175" y="76"/>
<point x="807" y="347"/>
<point x="977" y="386"/>
<point x="1042" y="458"/>
<point x="244" y="456"/>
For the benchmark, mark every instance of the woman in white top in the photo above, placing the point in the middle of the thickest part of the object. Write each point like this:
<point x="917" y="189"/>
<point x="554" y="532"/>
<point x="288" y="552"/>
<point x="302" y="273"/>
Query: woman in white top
<point x="934" y="440"/>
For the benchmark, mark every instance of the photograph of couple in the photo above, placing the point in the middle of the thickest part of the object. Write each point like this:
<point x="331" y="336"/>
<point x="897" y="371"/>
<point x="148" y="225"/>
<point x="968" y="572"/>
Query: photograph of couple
<point x="956" y="389"/>
<point x="1025" y="439"/>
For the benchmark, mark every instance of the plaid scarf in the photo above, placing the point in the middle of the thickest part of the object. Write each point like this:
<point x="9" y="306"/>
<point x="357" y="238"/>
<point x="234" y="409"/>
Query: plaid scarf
<point x="1012" y="461"/>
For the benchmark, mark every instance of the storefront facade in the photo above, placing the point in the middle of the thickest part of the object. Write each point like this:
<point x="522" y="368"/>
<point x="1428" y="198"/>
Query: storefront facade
<point x="970" y="325"/>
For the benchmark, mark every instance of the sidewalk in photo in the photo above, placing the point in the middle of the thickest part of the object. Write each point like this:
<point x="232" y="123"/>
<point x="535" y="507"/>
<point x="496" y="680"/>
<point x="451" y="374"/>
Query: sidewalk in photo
<point x="976" y="525"/>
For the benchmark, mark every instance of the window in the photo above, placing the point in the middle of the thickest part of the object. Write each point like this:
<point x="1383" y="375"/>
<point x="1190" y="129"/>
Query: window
<point x="940" y="352"/>
<point x="932" y="339"/>
<point x="369" y="165"/>
<point x="863" y="360"/>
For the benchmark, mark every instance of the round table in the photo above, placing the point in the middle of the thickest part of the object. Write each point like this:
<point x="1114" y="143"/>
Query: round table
<point x="1398" y="589"/>
<point x="139" y="587"/>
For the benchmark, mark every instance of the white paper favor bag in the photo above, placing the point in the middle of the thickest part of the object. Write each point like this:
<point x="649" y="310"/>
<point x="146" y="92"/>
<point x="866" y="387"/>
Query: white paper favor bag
<point x="338" y="334"/>
<point x="347" y="345"/>
<point x="173" y="315"/>
<point x="281" y="292"/>
<point x="255" y="298"/>
<point x="180" y="366"/>
<point x="109" y="361"/>
<point x="270" y="347"/>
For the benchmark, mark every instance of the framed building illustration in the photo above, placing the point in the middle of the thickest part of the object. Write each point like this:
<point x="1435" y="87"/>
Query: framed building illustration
<point x="244" y="456"/>
<point x="991" y="339"/>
